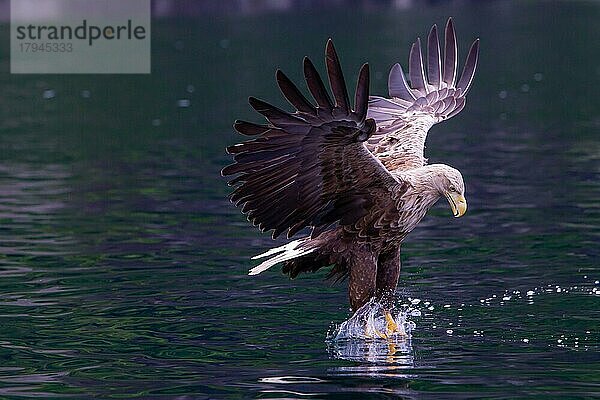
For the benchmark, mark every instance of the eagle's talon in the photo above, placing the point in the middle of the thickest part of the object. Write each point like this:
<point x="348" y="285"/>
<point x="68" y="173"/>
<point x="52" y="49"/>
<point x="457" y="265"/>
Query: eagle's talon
<point x="381" y="334"/>
<point x="391" y="325"/>
<point x="377" y="332"/>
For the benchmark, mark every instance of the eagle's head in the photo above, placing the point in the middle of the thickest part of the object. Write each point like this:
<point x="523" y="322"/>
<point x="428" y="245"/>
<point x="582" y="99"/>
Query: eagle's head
<point x="449" y="183"/>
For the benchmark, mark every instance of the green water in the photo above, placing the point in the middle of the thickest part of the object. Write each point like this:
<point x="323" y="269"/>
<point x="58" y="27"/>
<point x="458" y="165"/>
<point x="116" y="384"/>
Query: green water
<point x="123" y="266"/>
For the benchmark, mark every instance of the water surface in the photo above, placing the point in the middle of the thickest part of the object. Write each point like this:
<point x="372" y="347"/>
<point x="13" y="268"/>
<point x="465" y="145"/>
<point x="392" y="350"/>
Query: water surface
<point x="123" y="267"/>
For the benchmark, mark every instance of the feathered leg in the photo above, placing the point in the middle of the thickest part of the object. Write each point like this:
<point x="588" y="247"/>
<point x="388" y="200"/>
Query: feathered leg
<point x="363" y="280"/>
<point x="363" y="276"/>
<point x="388" y="272"/>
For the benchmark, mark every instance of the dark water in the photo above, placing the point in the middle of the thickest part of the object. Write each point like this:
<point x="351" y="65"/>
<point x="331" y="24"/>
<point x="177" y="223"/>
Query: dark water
<point x="123" y="267"/>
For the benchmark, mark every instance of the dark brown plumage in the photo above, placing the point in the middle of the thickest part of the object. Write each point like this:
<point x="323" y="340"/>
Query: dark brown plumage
<point x="310" y="168"/>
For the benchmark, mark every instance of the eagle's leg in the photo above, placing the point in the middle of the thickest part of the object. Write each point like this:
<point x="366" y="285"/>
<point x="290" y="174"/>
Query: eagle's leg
<point x="388" y="272"/>
<point x="363" y="277"/>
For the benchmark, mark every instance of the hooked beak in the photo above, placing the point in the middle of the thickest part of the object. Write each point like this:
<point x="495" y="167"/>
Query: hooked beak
<point x="458" y="204"/>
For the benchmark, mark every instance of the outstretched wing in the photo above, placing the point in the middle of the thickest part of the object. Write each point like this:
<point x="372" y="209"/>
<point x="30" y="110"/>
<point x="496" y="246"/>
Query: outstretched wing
<point x="404" y="119"/>
<point x="311" y="168"/>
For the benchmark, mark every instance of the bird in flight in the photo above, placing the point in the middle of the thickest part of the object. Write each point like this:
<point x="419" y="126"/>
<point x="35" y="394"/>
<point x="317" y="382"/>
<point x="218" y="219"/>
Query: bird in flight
<point x="356" y="177"/>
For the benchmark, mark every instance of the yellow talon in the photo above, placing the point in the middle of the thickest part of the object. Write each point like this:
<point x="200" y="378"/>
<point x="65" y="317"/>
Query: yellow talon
<point x="377" y="332"/>
<point x="391" y="326"/>
<point x="381" y="334"/>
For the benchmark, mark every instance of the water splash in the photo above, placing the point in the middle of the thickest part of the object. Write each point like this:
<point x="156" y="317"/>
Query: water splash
<point x="369" y="322"/>
<point x="361" y="337"/>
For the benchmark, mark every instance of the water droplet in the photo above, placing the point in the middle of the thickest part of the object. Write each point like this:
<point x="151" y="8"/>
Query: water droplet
<point x="446" y="305"/>
<point x="49" y="94"/>
<point x="524" y="88"/>
<point x="449" y="331"/>
<point x="530" y="293"/>
<point x="86" y="94"/>
<point x="526" y="340"/>
<point x="503" y="94"/>
<point x="538" y="77"/>
<point x="190" y="88"/>
<point x="415" y="301"/>
<point x="183" y="103"/>
<point x="506" y="298"/>
<point x="156" y="122"/>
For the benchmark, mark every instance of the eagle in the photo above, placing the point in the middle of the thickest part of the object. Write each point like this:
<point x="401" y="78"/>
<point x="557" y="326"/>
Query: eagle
<point x="354" y="178"/>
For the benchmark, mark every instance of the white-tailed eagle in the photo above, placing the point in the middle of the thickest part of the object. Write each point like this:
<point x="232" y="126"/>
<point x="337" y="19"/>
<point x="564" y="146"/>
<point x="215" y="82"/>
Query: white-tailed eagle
<point x="355" y="176"/>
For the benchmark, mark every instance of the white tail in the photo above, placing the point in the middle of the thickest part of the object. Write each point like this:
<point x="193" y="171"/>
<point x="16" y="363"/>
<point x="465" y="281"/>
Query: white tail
<point x="286" y="252"/>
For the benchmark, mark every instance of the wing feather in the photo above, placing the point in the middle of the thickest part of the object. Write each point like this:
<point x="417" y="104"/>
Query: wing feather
<point x="397" y="85"/>
<point x="450" y="54"/>
<point x="311" y="168"/>
<point x="404" y="120"/>
<point x="316" y="86"/>
<point x="415" y="70"/>
<point x="434" y="68"/>
<point x="468" y="73"/>
<point x="249" y="128"/>
<point x="361" y="99"/>
<point x="293" y="95"/>
<point x="336" y="78"/>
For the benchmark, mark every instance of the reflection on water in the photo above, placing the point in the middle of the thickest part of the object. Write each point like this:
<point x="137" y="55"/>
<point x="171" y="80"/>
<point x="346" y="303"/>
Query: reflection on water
<point x="123" y="267"/>
<point x="396" y="350"/>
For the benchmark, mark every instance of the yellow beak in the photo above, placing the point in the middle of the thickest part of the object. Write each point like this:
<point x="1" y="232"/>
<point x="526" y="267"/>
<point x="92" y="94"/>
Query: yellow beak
<point x="458" y="204"/>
